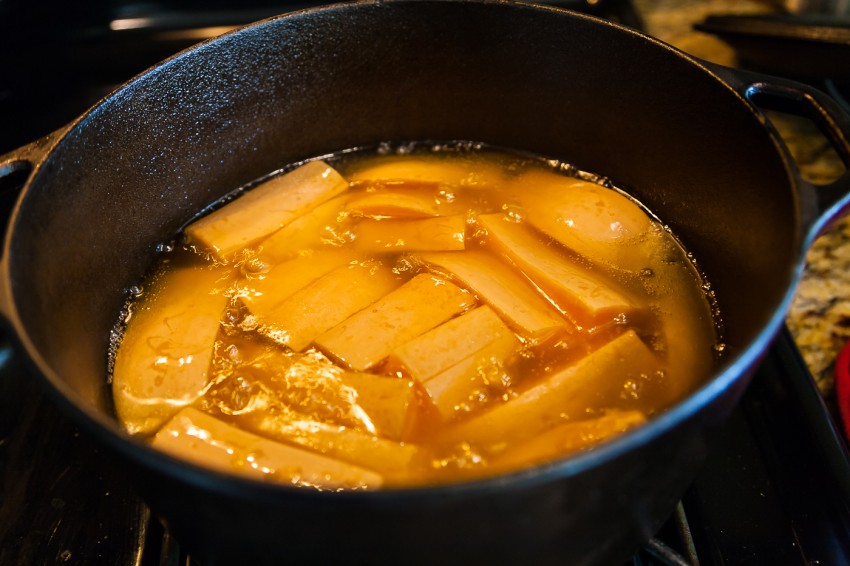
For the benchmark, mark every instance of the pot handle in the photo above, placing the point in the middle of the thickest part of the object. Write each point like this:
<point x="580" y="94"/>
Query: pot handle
<point x="826" y="202"/>
<point x="16" y="168"/>
<point x="28" y="156"/>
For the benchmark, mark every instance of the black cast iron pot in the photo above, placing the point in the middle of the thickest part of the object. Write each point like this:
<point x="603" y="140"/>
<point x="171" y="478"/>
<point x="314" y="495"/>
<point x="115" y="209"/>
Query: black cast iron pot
<point x="688" y="138"/>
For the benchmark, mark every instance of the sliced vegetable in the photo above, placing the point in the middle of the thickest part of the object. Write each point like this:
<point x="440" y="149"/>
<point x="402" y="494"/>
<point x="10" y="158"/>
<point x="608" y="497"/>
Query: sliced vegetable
<point x="396" y="204"/>
<point x="444" y="346"/>
<point x="387" y="457"/>
<point x="508" y="293"/>
<point x="369" y="336"/>
<point x="593" y="381"/>
<point x="324" y="303"/>
<point x="568" y="438"/>
<point x="316" y="407"/>
<point x="284" y="279"/>
<point x="323" y="227"/>
<point x="588" y="299"/>
<point x="205" y="440"/>
<point x="265" y="209"/>
<point x="598" y="223"/>
<point x="163" y="360"/>
<point x="434" y="170"/>
<point x="444" y="233"/>
<point x="474" y="381"/>
<point x="391" y="404"/>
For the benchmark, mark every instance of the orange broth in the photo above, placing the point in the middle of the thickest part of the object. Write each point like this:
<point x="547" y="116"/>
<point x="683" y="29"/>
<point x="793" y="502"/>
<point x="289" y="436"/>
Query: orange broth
<point x="406" y="318"/>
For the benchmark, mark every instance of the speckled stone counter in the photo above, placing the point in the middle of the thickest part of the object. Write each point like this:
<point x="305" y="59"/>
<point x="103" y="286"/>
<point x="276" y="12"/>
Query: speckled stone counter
<point x="819" y="318"/>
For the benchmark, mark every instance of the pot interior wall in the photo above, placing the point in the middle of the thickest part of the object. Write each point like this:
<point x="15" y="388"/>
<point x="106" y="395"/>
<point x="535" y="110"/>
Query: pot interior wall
<point x="561" y="85"/>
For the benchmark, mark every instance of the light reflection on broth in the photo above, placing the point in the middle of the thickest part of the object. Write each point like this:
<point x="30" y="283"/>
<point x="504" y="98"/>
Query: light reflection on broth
<point x="407" y="318"/>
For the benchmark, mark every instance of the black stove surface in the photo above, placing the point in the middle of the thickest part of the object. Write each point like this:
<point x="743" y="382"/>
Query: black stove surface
<point x="775" y="489"/>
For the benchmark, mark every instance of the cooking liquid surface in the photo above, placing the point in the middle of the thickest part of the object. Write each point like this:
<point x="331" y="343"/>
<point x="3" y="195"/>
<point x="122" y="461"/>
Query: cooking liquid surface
<point x="435" y="316"/>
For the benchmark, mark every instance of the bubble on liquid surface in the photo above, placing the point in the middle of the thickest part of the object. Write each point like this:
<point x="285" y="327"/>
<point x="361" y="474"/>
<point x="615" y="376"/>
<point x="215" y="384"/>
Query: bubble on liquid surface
<point x="513" y="212"/>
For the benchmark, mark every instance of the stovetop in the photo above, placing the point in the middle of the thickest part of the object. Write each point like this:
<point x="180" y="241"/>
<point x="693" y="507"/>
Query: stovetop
<point x="775" y="489"/>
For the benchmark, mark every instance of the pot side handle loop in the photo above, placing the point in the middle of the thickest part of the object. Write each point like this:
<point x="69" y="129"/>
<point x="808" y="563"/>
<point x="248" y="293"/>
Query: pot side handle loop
<point x="23" y="161"/>
<point x="13" y="165"/>
<point x="783" y="95"/>
<point x="16" y="168"/>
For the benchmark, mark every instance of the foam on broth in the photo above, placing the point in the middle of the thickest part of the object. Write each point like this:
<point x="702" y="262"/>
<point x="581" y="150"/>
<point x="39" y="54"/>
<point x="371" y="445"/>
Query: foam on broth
<point x="411" y="316"/>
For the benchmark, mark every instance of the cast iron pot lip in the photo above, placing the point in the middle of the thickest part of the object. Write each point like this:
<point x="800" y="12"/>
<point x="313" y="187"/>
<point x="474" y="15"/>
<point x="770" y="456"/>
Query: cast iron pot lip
<point x="108" y="429"/>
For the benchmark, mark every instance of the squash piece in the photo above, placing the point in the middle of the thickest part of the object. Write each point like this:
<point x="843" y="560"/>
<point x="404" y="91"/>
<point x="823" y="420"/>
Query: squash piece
<point x="444" y="233"/>
<point x="509" y="294"/>
<point x="567" y="438"/>
<point x="207" y="441"/>
<point x="422" y="204"/>
<point x="391" y="404"/>
<point x="163" y="361"/>
<point x="369" y="336"/>
<point x="409" y="199"/>
<point x="313" y="386"/>
<point x="286" y="278"/>
<point x="387" y="457"/>
<point x="265" y="209"/>
<point x="324" y="303"/>
<point x="475" y="380"/>
<point x="590" y="382"/>
<point x="589" y="300"/>
<point x="442" y="347"/>
<point x="596" y="222"/>
<point x="324" y="417"/>
<point x="455" y="172"/>
<point x="324" y="226"/>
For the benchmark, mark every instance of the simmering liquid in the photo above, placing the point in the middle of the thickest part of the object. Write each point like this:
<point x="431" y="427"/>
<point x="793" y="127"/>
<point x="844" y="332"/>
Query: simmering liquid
<point x="402" y="318"/>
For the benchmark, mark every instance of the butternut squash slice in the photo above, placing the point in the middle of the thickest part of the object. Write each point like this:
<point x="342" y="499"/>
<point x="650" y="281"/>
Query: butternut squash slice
<point x="443" y="233"/>
<point x="513" y="297"/>
<point x="596" y="222"/>
<point x="444" y="346"/>
<point x="433" y="170"/>
<point x="475" y="381"/>
<point x="392" y="404"/>
<point x="324" y="303"/>
<point x="369" y="336"/>
<point x="387" y="457"/>
<point x="567" y="439"/>
<point x="265" y="209"/>
<point x="205" y="440"/>
<point x="590" y="382"/>
<point x="162" y="363"/>
<point x="284" y="279"/>
<point x="588" y="299"/>
<point x="324" y="227"/>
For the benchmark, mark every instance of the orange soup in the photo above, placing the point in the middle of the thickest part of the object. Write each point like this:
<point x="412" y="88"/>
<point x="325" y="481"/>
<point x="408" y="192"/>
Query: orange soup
<point x="413" y="317"/>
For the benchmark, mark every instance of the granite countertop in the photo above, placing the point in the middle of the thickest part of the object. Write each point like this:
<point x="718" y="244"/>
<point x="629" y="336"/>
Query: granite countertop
<point x="819" y="318"/>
